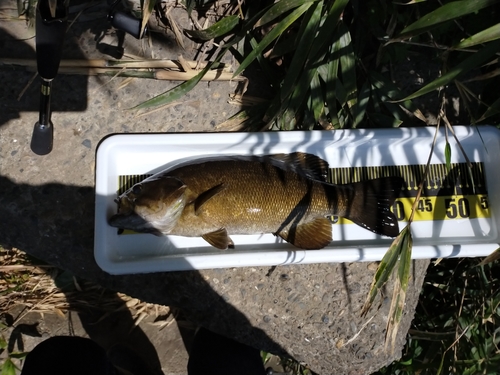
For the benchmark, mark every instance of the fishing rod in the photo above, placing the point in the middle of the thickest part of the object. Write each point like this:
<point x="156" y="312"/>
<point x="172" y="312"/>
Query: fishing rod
<point x="51" y="25"/>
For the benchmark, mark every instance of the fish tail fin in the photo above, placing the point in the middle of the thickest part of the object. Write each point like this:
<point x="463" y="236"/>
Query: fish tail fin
<point x="369" y="204"/>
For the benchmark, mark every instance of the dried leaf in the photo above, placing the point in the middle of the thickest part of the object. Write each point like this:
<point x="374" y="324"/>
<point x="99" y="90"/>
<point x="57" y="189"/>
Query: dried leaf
<point x="147" y="10"/>
<point x="386" y="267"/>
<point x="177" y="32"/>
<point x="491" y="258"/>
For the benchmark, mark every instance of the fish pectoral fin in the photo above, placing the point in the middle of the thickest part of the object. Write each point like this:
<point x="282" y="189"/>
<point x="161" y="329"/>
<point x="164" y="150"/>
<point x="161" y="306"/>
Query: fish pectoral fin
<point x="219" y="239"/>
<point x="313" y="235"/>
<point x="206" y="196"/>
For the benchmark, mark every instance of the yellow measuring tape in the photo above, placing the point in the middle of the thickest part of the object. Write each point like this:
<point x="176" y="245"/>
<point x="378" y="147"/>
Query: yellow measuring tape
<point x="458" y="193"/>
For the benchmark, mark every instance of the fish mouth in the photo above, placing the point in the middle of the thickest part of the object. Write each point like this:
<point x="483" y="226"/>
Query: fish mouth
<point x="132" y="222"/>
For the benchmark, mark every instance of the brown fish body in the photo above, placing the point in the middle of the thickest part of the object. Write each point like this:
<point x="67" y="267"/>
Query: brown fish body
<point x="282" y="194"/>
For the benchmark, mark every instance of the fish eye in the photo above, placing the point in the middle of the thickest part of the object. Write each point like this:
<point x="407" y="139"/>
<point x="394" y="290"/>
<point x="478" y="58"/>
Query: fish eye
<point x="137" y="188"/>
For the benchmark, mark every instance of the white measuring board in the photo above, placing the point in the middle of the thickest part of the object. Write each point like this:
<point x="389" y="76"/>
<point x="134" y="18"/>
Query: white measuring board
<point x="456" y="217"/>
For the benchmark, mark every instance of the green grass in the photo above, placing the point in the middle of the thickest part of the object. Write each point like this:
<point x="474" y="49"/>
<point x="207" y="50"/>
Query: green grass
<point x="456" y="325"/>
<point x="329" y="64"/>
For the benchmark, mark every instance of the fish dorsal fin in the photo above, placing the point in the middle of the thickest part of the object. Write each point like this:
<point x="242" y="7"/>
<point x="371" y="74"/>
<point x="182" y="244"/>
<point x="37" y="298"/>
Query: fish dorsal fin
<point x="313" y="235"/>
<point x="206" y="196"/>
<point x="307" y="165"/>
<point x="219" y="239"/>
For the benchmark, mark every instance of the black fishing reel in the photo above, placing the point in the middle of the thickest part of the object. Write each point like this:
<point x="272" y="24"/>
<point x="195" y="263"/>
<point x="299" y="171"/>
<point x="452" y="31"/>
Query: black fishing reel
<point x="51" y="24"/>
<point x="125" y="21"/>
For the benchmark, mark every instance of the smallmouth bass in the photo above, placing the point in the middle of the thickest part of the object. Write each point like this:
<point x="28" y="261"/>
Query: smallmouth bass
<point x="283" y="194"/>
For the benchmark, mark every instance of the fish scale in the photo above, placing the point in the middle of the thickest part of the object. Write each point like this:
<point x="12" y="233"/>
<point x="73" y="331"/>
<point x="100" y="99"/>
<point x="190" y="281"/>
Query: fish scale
<point x="269" y="197"/>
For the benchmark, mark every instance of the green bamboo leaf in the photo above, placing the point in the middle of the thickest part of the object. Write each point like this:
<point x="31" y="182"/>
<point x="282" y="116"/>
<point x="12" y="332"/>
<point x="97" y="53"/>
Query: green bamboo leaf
<point x="388" y="91"/>
<point x="331" y="81"/>
<point x="447" y="156"/>
<point x="405" y="258"/>
<point x="222" y="27"/>
<point x="484" y="36"/>
<point x="359" y="109"/>
<point x="190" y="4"/>
<point x="289" y="99"/>
<point x="347" y="65"/>
<point x="340" y="93"/>
<point x="317" y="104"/>
<point x="278" y="9"/>
<point x="307" y="32"/>
<point x="477" y="59"/>
<point x="385" y="269"/>
<point x="284" y="46"/>
<point x="18" y="355"/>
<point x="322" y="42"/>
<point x="293" y="106"/>
<point x="444" y="13"/>
<point x="384" y="121"/>
<point x="8" y="367"/>
<point x="410" y="2"/>
<point x="400" y="286"/>
<point x="493" y="109"/>
<point x="270" y="75"/>
<point x="176" y="93"/>
<point x="272" y="35"/>
<point x="3" y="342"/>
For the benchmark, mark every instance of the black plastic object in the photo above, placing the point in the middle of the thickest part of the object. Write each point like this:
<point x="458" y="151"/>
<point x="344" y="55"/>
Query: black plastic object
<point x="126" y="22"/>
<point x="42" y="138"/>
<point x="50" y="31"/>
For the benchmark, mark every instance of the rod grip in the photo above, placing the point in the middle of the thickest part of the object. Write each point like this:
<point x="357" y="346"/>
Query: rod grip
<point x="50" y="31"/>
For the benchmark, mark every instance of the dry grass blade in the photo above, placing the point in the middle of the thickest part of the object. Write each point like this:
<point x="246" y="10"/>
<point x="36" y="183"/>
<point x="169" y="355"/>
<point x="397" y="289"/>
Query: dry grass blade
<point x="118" y="64"/>
<point x="33" y="287"/>
<point x="147" y="10"/>
<point x="400" y="288"/>
<point x="398" y="254"/>
<point x="52" y="8"/>
<point x="491" y="258"/>
<point x="384" y="270"/>
<point x="177" y="32"/>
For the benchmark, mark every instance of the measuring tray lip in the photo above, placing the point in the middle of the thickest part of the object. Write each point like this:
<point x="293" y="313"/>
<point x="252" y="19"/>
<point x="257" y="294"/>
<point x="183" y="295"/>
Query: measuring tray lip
<point x="110" y="158"/>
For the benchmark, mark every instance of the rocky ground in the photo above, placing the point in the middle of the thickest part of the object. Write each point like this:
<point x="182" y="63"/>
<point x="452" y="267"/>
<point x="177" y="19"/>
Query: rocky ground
<point x="308" y="312"/>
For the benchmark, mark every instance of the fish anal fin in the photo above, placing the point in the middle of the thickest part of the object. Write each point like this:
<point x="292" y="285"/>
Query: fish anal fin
<point x="313" y="235"/>
<point x="206" y="196"/>
<point x="219" y="239"/>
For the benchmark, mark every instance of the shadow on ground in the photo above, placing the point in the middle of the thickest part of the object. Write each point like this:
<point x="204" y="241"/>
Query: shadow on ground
<point x="55" y="223"/>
